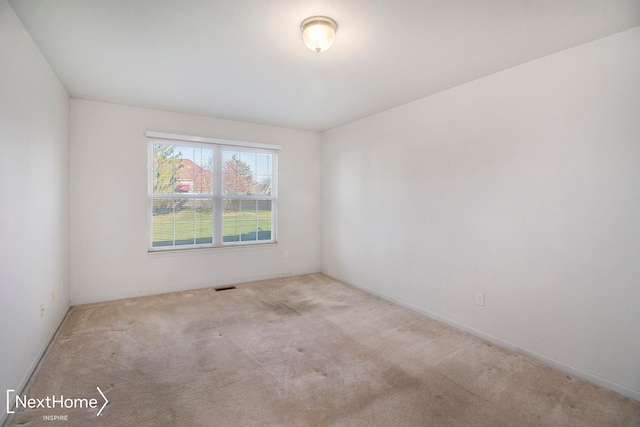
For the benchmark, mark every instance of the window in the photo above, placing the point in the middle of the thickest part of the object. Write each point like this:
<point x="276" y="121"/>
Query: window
<point x="206" y="192"/>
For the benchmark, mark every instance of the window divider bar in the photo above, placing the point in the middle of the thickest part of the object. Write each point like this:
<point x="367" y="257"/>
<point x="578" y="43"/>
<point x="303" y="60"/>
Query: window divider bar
<point x="218" y="214"/>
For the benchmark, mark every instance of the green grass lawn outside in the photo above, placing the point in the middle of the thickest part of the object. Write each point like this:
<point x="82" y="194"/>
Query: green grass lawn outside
<point x="197" y="227"/>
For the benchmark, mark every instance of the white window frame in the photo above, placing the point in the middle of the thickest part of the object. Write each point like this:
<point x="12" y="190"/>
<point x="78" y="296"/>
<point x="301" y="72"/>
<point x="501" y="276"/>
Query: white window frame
<point x="217" y="198"/>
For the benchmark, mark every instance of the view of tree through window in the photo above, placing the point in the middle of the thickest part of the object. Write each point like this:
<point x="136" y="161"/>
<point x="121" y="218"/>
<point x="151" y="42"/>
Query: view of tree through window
<point x="246" y="174"/>
<point x="207" y="195"/>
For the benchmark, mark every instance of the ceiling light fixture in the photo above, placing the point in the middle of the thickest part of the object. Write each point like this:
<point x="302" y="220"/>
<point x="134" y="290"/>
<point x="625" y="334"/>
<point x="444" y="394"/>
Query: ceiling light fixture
<point x="318" y="32"/>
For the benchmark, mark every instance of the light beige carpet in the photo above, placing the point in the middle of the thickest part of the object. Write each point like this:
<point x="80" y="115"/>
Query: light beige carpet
<point x="295" y="352"/>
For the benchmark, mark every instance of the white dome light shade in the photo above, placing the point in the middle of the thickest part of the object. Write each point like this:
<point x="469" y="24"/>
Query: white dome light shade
<point x="318" y="32"/>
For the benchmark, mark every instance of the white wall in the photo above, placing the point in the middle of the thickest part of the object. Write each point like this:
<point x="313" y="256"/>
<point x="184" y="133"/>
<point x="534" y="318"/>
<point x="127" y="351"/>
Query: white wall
<point x="109" y="223"/>
<point x="34" y="203"/>
<point x="524" y="185"/>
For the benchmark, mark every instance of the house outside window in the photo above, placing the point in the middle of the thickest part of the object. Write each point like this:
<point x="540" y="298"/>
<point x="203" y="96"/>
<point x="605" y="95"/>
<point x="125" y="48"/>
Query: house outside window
<point x="205" y="192"/>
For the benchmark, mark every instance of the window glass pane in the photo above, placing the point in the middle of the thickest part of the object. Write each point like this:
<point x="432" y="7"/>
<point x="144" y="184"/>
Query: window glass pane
<point x="264" y="219"/>
<point x="248" y="159"/>
<point x="203" y="171"/>
<point x="184" y="167"/>
<point x="263" y="174"/>
<point x="247" y="220"/>
<point x="163" y="224"/>
<point x="230" y="220"/>
<point x="164" y="176"/>
<point x="184" y="222"/>
<point x="262" y="185"/>
<point x="204" y="221"/>
<point x="237" y="173"/>
<point x="264" y="164"/>
<point x="178" y="169"/>
<point x="179" y="222"/>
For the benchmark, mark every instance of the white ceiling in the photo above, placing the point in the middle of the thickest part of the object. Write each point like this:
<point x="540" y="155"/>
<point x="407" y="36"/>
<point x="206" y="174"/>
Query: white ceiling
<point x="245" y="59"/>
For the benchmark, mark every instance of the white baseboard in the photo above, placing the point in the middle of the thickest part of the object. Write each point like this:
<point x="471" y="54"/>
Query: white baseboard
<point x="34" y="364"/>
<point x="579" y="373"/>
<point x="189" y="287"/>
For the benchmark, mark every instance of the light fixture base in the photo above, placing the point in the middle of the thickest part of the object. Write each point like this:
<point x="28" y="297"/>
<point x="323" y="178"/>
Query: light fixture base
<point x="319" y="20"/>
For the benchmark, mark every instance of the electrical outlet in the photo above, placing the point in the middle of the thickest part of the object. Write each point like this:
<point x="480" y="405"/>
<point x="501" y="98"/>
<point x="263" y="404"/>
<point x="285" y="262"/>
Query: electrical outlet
<point x="53" y="295"/>
<point x="286" y="254"/>
<point x="41" y="310"/>
<point x="480" y="299"/>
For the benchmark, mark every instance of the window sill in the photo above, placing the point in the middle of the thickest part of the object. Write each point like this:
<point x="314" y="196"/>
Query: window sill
<point x="209" y="249"/>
